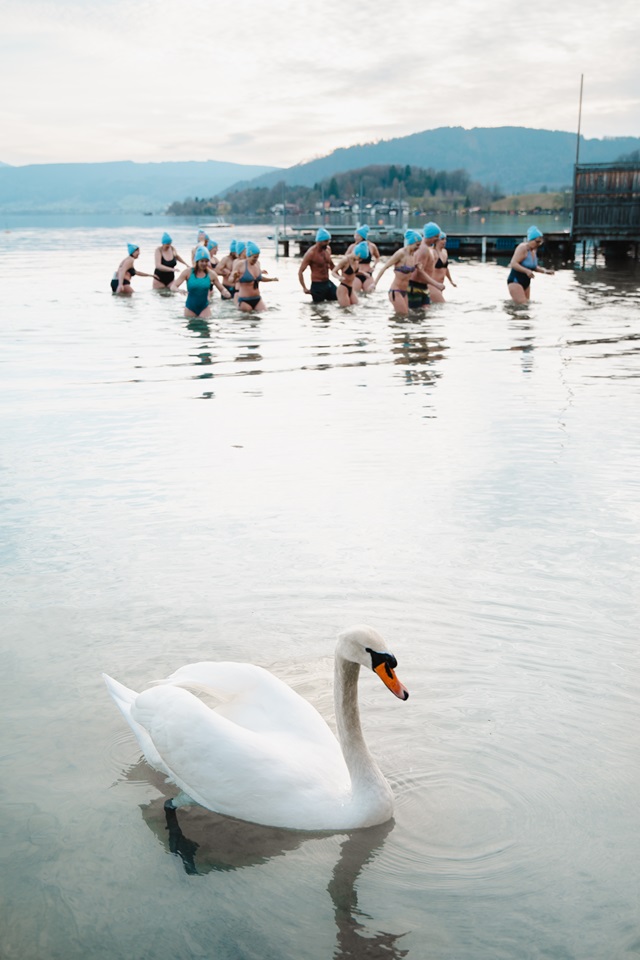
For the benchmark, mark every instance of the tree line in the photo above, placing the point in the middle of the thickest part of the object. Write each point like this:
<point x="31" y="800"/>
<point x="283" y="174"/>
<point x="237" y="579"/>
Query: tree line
<point x="389" y="183"/>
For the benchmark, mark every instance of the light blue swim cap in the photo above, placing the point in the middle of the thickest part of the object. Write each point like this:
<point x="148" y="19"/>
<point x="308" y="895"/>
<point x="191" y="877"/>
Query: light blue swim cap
<point x="240" y="246"/>
<point x="533" y="233"/>
<point x="442" y="236"/>
<point x="363" y="230"/>
<point x="411" y="236"/>
<point x="132" y="247"/>
<point x="203" y="233"/>
<point x="431" y="229"/>
<point x="166" y="239"/>
<point x="361" y="249"/>
<point x="202" y="254"/>
<point x="322" y="235"/>
<point x="232" y="246"/>
<point x="212" y="244"/>
<point x="252" y="249"/>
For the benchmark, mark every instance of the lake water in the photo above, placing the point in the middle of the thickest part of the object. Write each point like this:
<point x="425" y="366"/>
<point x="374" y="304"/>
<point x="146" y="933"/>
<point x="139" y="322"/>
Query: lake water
<point x="467" y="482"/>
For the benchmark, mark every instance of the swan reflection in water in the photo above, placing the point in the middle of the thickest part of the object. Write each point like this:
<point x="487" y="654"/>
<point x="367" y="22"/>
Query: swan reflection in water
<point x="215" y="843"/>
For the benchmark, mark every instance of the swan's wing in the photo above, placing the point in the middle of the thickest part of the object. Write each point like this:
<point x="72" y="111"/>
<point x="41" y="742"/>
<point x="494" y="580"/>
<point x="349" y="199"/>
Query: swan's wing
<point x="258" y="776"/>
<point x="253" y="698"/>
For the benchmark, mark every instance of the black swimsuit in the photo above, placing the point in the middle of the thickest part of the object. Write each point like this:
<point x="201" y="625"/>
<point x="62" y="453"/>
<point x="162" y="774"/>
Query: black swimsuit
<point x="165" y="274"/>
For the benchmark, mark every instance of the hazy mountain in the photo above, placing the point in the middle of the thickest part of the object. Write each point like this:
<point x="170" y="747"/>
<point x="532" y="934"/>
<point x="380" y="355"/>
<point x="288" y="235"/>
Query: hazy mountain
<point x="519" y="159"/>
<point x="124" y="186"/>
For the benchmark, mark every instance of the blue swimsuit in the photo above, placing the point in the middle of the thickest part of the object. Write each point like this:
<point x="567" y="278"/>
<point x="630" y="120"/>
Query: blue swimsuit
<point x="198" y="295"/>
<point x="530" y="262"/>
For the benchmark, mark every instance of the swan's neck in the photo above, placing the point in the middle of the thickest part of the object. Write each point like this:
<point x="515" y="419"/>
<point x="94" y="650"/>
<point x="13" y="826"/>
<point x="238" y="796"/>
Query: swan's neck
<point x="366" y="777"/>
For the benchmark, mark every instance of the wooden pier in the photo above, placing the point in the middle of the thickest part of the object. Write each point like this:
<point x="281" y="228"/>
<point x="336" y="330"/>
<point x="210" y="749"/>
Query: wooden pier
<point x="559" y="245"/>
<point x="606" y="206"/>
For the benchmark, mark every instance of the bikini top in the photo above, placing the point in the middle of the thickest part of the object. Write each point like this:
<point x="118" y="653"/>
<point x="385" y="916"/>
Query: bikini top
<point x="248" y="277"/>
<point x="349" y="271"/>
<point x="404" y="269"/>
<point x="439" y="265"/>
<point x="131" y="271"/>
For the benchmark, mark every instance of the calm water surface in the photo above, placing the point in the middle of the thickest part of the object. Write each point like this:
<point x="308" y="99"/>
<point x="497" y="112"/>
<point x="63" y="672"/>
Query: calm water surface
<point x="466" y="482"/>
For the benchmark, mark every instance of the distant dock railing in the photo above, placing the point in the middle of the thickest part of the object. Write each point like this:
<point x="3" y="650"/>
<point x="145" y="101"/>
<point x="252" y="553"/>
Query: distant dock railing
<point x="389" y="239"/>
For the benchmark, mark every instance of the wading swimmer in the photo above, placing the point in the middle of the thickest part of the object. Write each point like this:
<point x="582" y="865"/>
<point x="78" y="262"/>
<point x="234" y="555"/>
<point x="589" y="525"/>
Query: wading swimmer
<point x="212" y="247"/>
<point x="166" y="260"/>
<point x="121" y="280"/>
<point x="347" y="270"/>
<point x="524" y="263"/>
<point x="364" y="276"/>
<point x="225" y="266"/>
<point x="420" y="288"/>
<point x="200" y="278"/>
<point x="441" y="268"/>
<point x="318" y="258"/>
<point x="202" y="241"/>
<point x="405" y="270"/>
<point x="246" y="277"/>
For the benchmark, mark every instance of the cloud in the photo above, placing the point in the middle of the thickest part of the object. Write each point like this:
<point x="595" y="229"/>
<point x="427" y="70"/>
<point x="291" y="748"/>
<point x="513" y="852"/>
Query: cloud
<point x="275" y="81"/>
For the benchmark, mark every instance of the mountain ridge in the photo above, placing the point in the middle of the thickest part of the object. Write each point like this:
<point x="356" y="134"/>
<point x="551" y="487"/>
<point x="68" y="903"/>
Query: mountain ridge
<point x="518" y="159"/>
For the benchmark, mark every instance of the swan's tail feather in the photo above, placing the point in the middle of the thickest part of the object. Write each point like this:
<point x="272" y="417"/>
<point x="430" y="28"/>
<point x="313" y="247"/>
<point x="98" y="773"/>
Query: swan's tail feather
<point x="122" y="695"/>
<point x="125" y="699"/>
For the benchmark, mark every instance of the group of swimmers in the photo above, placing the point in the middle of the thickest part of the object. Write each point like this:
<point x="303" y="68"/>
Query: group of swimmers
<point x="420" y="269"/>
<point x="236" y="276"/>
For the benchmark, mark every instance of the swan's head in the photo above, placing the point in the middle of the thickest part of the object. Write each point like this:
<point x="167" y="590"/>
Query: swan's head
<point x="365" y="646"/>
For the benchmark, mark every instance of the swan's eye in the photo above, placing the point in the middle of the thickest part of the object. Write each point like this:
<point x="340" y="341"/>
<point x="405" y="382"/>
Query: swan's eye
<point x="378" y="659"/>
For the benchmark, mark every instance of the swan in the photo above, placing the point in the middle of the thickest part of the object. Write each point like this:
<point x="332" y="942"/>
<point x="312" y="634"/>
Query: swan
<point x="265" y="754"/>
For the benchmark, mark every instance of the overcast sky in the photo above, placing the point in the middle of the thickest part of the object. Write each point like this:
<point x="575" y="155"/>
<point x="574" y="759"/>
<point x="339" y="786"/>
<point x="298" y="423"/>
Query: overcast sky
<point x="282" y="81"/>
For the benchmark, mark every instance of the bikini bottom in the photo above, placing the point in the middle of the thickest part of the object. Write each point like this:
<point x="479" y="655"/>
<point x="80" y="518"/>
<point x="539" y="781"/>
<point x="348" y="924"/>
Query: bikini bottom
<point x="252" y="301"/>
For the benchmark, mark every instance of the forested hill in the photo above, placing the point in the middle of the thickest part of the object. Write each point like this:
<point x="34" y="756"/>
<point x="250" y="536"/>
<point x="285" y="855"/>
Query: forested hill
<point x="519" y="159"/>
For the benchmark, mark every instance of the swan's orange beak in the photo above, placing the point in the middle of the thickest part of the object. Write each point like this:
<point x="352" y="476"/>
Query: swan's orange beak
<point x="388" y="677"/>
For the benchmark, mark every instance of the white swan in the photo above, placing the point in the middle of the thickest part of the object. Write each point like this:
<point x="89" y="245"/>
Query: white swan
<point x="265" y="754"/>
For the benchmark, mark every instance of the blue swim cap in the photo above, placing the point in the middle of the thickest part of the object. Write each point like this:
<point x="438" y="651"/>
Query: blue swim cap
<point x="533" y="233"/>
<point x="240" y="246"/>
<point x="252" y="249"/>
<point x="442" y="236"/>
<point x="431" y="229"/>
<point x="203" y="233"/>
<point x="202" y="254"/>
<point x="232" y="246"/>
<point x="132" y="247"/>
<point x="212" y="244"/>
<point x="166" y="239"/>
<point x="411" y="236"/>
<point x="361" y="249"/>
<point x="363" y="230"/>
<point x="322" y="235"/>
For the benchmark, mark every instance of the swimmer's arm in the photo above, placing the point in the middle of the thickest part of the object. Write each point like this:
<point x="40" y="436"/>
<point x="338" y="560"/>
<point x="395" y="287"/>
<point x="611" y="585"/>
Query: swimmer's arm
<point x="158" y="259"/>
<point x="181" y="279"/>
<point x="375" y="253"/>
<point x="221" y="290"/>
<point x="423" y="275"/>
<point x="390" y="262"/>
<point x="518" y="255"/>
<point x="303" y="267"/>
<point x="449" y="278"/>
<point x="340" y="265"/>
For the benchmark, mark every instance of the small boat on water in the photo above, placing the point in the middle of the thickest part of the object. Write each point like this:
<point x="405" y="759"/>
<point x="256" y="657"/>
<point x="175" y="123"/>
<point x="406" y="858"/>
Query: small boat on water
<point x="218" y="224"/>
